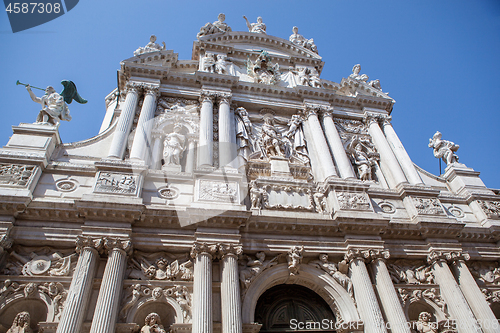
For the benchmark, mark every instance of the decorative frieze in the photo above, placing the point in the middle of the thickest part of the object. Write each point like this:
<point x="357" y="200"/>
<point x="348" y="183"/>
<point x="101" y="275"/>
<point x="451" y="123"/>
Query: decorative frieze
<point x="405" y="271"/>
<point x="490" y="208"/>
<point x="18" y="175"/>
<point x="160" y="266"/>
<point x="117" y="183"/>
<point x="211" y="190"/>
<point x="254" y="267"/>
<point x="428" y="206"/>
<point x="431" y="295"/>
<point x="339" y="274"/>
<point x="353" y="201"/>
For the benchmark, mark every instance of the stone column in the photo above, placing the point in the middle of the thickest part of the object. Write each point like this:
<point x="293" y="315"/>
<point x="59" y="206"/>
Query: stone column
<point x="230" y="289"/>
<point x="202" y="287"/>
<point x="319" y="142"/>
<point x="473" y="294"/>
<point x="141" y="146"/>
<point x="388" y="162"/>
<point x="124" y="122"/>
<point x="157" y="151"/>
<point x="364" y="294"/>
<point x="205" y="144"/>
<point x="452" y="295"/>
<point x="400" y="152"/>
<point x="336" y="146"/>
<point x="80" y="290"/>
<point x="190" y="154"/>
<point x="387" y="294"/>
<point x="106" y="311"/>
<point x="227" y="150"/>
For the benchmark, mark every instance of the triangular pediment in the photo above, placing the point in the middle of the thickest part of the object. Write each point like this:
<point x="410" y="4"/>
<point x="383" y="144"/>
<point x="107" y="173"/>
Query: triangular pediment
<point x="162" y="58"/>
<point x="353" y="88"/>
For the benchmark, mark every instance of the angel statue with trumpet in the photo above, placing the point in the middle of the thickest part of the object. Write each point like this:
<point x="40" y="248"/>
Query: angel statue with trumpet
<point x="54" y="105"/>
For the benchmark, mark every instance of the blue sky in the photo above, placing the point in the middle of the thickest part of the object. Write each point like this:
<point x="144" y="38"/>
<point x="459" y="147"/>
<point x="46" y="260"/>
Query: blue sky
<point x="438" y="59"/>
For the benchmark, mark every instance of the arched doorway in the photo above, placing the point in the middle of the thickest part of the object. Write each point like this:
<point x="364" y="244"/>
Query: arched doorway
<point x="291" y="308"/>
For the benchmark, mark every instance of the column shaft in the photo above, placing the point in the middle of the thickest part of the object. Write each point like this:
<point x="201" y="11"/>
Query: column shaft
<point x="475" y="298"/>
<point x="230" y="295"/>
<point x="206" y="149"/>
<point x="157" y="153"/>
<point x="313" y="156"/>
<point x="366" y="299"/>
<point x="389" y="298"/>
<point x="457" y="305"/>
<point x="124" y="124"/>
<point x="227" y="150"/>
<point x="190" y="154"/>
<point x="337" y="148"/>
<point x="388" y="162"/>
<point x="79" y="292"/>
<point x="141" y="146"/>
<point x="401" y="154"/>
<point x="202" y="294"/>
<point x="106" y="311"/>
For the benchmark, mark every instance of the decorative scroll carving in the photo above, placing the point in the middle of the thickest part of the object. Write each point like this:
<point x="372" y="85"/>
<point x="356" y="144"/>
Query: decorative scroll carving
<point x="490" y="208"/>
<point x="263" y="70"/>
<point x="230" y="249"/>
<point x="87" y="241"/>
<point x="253" y="267"/>
<point x="111" y="243"/>
<point x="404" y="271"/>
<point x="16" y="174"/>
<point x="430" y="295"/>
<point x="443" y="148"/>
<point x="152" y="46"/>
<point x="428" y="206"/>
<point x="160" y="266"/>
<point x="448" y="256"/>
<point x="116" y="183"/>
<point x="294" y="258"/>
<point x="353" y="201"/>
<point x="340" y="274"/>
<point x="492" y="296"/>
<point x="43" y="261"/>
<point x="353" y="254"/>
<point x="204" y="248"/>
<point x="212" y="190"/>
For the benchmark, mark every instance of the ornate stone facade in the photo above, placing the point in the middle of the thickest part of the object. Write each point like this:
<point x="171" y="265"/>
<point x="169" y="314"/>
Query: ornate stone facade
<point x="224" y="189"/>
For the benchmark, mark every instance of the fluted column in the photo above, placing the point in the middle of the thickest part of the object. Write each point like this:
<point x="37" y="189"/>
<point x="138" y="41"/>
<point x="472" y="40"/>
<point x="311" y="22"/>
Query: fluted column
<point x="230" y="289"/>
<point x="141" y="146"/>
<point x="400" y="152"/>
<point x="106" y="311"/>
<point x="336" y="146"/>
<point x="227" y="150"/>
<point x="157" y="151"/>
<point x="202" y="287"/>
<point x="80" y="290"/>
<point x="125" y="121"/>
<point x="457" y="305"/>
<point x="473" y="294"/>
<point x="319" y="142"/>
<point x="205" y="144"/>
<point x="388" y="162"/>
<point x="387" y="294"/>
<point x="364" y="294"/>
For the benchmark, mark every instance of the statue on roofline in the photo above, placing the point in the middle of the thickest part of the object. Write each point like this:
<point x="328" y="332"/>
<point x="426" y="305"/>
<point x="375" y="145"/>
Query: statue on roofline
<point x="258" y="27"/>
<point x="443" y="148"/>
<point x="214" y="28"/>
<point x="300" y="40"/>
<point x="152" y="46"/>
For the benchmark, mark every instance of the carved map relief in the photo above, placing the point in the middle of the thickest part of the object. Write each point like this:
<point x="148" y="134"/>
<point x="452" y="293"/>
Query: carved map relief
<point x="116" y="183"/>
<point x="16" y="174"/>
<point x="212" y="190"/>
<point x="353" y="201"/>
<point x="428" y="206"/>
<point x="490" y="208"/>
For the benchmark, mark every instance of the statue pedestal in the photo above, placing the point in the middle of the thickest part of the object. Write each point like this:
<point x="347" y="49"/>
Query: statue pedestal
<point x="172" y="168"/>
<point x="280" y="167"/>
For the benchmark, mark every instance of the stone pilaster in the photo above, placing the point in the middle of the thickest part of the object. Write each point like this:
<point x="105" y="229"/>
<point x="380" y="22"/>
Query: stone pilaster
<point x="205" y="144"/>
<point x="106" y="311"/>
<point x="386" y="292"/>
<point x="400" y="152"/>
<point x="230" y="289"/>
<point x="141" y="146"/>
<point x="336" y="146"/>
<point x="227" y="149"/>
<point x="125" y="122"/>
<point x="364" y="294"/>
<point x="319" y="142"/>
<point x="80" y="289"/>
<point x="457" y="305"/>
<point x="472" y="293"/>
<point x="388" y="162"/>
<point x="202" y="253"/>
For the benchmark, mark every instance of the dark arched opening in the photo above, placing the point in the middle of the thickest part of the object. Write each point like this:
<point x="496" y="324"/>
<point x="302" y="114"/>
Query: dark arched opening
<point x="292" y="308"/>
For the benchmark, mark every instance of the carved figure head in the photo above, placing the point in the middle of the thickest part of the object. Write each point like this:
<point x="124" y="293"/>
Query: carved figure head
<point x="21" y="319"/>
<point x="161" y="263"/>
<point x="242" y="111"/>
<point x="152" y="39"/>
<point x="259" y="19"/>
<point x="323" y="257"/>
<point x="221" y="17"/>
<point x="49" y="90"/>
<point x="261" y="256"/>
<point x="152" y="319"/>
<point x="295" y="30"/>
<point x="356" y="69"/>
<point x="424" y="316"/>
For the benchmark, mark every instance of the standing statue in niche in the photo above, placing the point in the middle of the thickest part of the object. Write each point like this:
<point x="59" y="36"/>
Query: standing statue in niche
<point x="221" y="64"/>
<point x="443" y="148"/>
<point x="152" y="324"/>
<point x="258" y="27"/>
<point x="257" y="195"/>
<point x="21" y="323"/>
<point x="208" y="63"/>
<point x="359" y="153"/>
<point x="244" y="133"/>
<point x="174" y="146"/>
<point x="300" y="40"/>
<point x="271" y="142"/>
<point x="218" y="26"/>
<point x="424" y="324"/>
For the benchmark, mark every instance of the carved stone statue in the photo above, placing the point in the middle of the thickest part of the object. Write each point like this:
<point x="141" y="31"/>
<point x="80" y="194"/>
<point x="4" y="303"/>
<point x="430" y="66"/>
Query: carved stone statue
<point x="314" y="80"/>
<point x="136" y="294"/>
<point x="21" y="323"/>
<point x="254" y="267"/>
<point x="174" y="146"/>
<point x="355" y="74"/>
<point x="424" y="324"/>
<point x="152" y="324"/>
<point x="221" y="64"/>
<point x="332" y="270"/>
<point x="208" y="63"/>
<point x="271" y="142"/>
<point x="218" y="26"/>
<point x="294" y="258"/>
<point x="263" y="71"/>
<point x="152" y="46"/>
<point x="258" y="27"/>
<point x="54" y="108"/>
<point x="443" y="148"/>
<point x="244" y="133"/>
<point x="300" y="40"/>
<point x="320" y="201"/>
<point x="375" y="84"/>
<point x="257" y="195"/>
<point x="359" y="152"/>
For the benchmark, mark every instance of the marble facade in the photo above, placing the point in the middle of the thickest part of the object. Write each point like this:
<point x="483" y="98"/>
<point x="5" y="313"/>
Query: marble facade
<point x="226" y="188"/>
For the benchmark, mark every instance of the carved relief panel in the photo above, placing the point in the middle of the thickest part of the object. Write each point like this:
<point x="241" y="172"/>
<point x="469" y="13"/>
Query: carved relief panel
<point x="117" y="183"/>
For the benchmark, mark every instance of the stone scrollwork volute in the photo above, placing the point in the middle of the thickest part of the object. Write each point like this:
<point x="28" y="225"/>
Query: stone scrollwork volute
<point x="112" y="243"/>
<point x="230" y="249"/>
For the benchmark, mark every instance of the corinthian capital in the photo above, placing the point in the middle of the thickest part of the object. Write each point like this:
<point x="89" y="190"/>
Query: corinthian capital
<point x="448" y="256"/>
<point x="354" y="254"/>
<point x="379" y="255"/>
<point x="134" y="87"/>
<point x="204" y="248"/>
<point x="371" y="118"/>
<point x="310" y="109"/>
<point x="230" y="249"/>
<point x="112" y="243"/>
<point x="386" y="120"/>
<point x="90" y="242"/>
<point x="152" y="89"/>
<point x="207" y="96"/>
